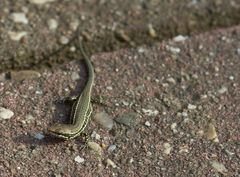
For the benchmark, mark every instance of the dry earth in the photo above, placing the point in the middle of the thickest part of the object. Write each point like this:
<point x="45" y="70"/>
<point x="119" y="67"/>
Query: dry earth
<point x="185" y="97"/>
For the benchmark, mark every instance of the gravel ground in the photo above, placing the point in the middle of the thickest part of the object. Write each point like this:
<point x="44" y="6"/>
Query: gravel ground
<point x="35" y="32"/>
<point x="175" y="107"/>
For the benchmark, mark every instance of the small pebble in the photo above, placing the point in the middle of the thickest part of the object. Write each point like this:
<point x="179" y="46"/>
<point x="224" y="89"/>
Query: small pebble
<point x="229" y="152"/>
<point x="2" y="76"/>
<point x="222" y="90"/>
<point x="184" y="114"/>
<point x="74" y="24"/>
<point x="231" y="78"/>
<point x="16" y="36"/>
<point x="78" y="159"/>
<point x="111" y="148"/>
<point x="24" y="74"/>
<point x="125" y="103"/>
<point x="195" y="76"/>
<point x="111" y="163"/>
<point x="173" y="127"/>
<point x="149" y="153"/>
<point x="95" y="147"/>
<point x="171" y="80"/>
<point x="211" y="132"/>
<point x="174" y="50"/>
<point x="109" y="88"/>
<point x="97" y="69"/>
<point x="238" y="51"/>
<point x="200" y="133"/>
<point x="219" y="167"/>
<point x="52" y="24"/>
<point x="129" y="119"/>
<point x="141" y="50"/>
<point x="180" y="38"/>
<point x="64" y="40"/>
<point x="19" y="18"/>
<point x="150" y="112"/>
<point x="152" y="31"/>
<point x="39" y="136"/>
<point x="75" y="76"/>
<point x="167" y="148"/>
<point x="123" y="36"/>
<point x="57" y="175"/>
<point x="72" y="48"/>
<point x="191" y="107"/>
<point x="5" y="113"/>
<point x="95" y="135"/>
<point x="184" y="149"/>
<point x="39" y="92"/>
<point x="104" y="120"/>
<point x="147" y="123"/>
<point x="131" y="160"/>
<point x="204" y="96"/>
<point x="29" y="118"/>
<point x="40" y="2"/>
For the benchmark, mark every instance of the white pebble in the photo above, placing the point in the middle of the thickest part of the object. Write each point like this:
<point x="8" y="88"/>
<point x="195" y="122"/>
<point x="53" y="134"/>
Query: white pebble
<point x="131" y="160"/>
<point x="75" y="76"/>
<point x="174" y="49"/>
<point x="173" y="127"/>
<point x="171" y="80"/>
<point x="40" y="2"/>
<point x="64" y="40"/>
<point x="16" y="36"/>
<point x="150" y="112"/>
<point x="5" y="113"/>
<point x="222" y="90"/>
<point x="167" y="148"/>
<point x="231" y="78"/>
<point x="97" y="136"/>
<point x="141" y="50"/>
<point x="111" y="163"/>
<point x="125" y="103"/>
<point x="109" y="88"/>
<point x="191" y="107"/>
<point x="73" y="49"/>
<point x="19" y="18"/>
<point x="184" y="114"/>
<point x="147" y="124"/>
<point x="39" y="92"/>
<point x="78" y="159"/>
<point x="180" y="38"/>
<point x="52" y="24"/>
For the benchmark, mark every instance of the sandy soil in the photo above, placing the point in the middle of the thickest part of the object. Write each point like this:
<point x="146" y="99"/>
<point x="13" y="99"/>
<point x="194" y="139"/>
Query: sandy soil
<point x="185" y="96"/>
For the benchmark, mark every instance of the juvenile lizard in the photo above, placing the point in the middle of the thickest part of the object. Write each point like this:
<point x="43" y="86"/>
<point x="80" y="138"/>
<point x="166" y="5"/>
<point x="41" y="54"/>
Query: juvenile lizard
<point x="81" y="109"/>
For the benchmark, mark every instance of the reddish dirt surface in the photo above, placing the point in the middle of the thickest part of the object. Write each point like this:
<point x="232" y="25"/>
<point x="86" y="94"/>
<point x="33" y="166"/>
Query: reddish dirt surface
<point x="188" y="84"/>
